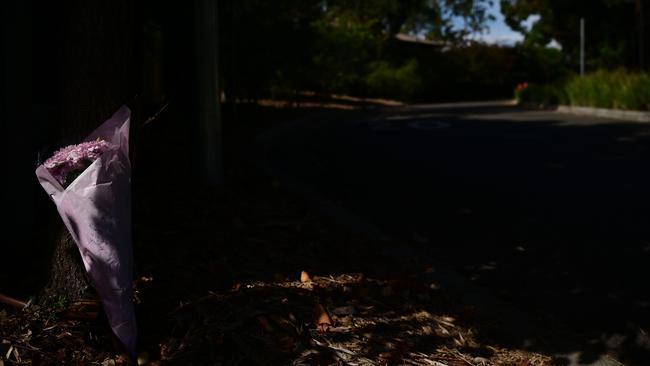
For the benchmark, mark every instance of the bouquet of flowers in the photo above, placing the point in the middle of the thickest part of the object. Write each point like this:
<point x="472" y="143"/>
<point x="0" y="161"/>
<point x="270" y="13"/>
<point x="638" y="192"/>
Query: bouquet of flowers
<point x="90" y="184"/>
<point x="69" y="162"/>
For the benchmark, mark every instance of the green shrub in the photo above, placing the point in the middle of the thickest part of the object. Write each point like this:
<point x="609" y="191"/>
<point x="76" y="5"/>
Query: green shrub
<point x="341" y="52"/>
<point x="393" y="82"/>
<point x="618" y="89"/>
<point x="540" y="94"/>
<point x="610" y="89"/>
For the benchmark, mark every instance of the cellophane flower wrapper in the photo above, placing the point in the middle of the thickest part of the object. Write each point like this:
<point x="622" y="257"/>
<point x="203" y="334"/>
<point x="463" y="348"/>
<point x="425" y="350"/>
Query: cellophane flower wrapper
<point x="96" y="209"/>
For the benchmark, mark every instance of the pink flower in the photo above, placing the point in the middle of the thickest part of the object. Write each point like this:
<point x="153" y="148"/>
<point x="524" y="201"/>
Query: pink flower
<point x="74" y="159"/>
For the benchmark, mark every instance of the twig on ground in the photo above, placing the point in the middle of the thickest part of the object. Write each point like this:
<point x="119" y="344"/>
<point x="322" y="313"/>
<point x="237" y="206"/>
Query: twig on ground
<point x="152" y="118"/>
<point x="12" y="302"/>
<point x="329" y="345"/>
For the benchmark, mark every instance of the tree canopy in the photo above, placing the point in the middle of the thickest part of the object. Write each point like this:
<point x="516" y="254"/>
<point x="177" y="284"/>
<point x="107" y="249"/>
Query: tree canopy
<point x="612" y="27"/>
<point x="330" y="45"/>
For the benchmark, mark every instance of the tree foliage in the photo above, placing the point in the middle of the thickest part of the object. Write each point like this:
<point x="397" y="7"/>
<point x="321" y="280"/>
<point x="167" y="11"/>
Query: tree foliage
<point x="431" y="17"/>
<point x="331" y="45"/>
<point x="611" y="27"/>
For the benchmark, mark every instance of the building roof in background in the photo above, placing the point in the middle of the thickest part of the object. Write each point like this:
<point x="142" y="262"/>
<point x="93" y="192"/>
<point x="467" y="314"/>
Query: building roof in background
<point x="414" y="39"/>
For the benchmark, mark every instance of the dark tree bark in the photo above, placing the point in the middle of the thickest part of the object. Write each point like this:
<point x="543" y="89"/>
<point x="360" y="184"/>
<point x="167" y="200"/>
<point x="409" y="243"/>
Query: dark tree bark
<point x="97" y="76"/>
<point x="68" y="279"/>
<point x="97" y="62"/>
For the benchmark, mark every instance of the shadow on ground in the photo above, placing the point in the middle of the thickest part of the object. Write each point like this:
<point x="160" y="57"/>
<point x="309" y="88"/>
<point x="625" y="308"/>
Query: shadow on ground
<point x="548" y="211"/>
<point x="219" y="273"/>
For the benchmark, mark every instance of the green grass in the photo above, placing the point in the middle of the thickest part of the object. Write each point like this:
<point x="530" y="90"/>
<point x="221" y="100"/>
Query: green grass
<point x="618" y="89"/>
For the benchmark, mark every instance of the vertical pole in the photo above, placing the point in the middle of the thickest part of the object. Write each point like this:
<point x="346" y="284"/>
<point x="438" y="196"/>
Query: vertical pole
<point x="582" y="46"/>
<point x="641" y="35"/>
<point x="209" y="136"/>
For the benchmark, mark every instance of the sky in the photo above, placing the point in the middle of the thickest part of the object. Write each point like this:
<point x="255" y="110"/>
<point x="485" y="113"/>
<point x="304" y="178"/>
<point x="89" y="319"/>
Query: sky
<point x="498" y="31"/>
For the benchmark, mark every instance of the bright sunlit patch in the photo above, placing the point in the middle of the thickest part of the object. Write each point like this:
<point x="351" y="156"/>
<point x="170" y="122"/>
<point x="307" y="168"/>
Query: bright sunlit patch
<point x="554" y="44"/>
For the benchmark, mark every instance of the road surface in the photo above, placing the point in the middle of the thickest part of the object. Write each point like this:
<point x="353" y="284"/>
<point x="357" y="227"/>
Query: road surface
<point x="549" y="211"/>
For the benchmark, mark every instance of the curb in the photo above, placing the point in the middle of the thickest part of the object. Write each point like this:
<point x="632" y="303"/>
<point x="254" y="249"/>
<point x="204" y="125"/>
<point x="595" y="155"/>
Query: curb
<point x="625" y="115"/>
<point x="634" y="116"/>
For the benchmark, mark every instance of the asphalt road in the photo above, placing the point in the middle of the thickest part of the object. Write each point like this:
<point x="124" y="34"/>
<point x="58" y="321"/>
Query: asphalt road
<point x="549" y="211"/>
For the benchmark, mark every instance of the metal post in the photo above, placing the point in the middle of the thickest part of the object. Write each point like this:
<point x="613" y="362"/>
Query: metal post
<point x="582" y="46"/>
<point x="641" y="35"/>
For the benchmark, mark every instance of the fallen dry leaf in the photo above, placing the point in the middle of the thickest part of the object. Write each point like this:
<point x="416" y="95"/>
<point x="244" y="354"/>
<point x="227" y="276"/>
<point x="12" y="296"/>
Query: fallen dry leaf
<point x="304" y="277"/>
<point x="321" y="318"/>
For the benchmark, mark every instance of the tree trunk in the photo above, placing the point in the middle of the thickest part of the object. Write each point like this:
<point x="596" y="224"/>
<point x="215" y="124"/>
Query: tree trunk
<point x="97" y="77"/>
<point x="68" y="279"/>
